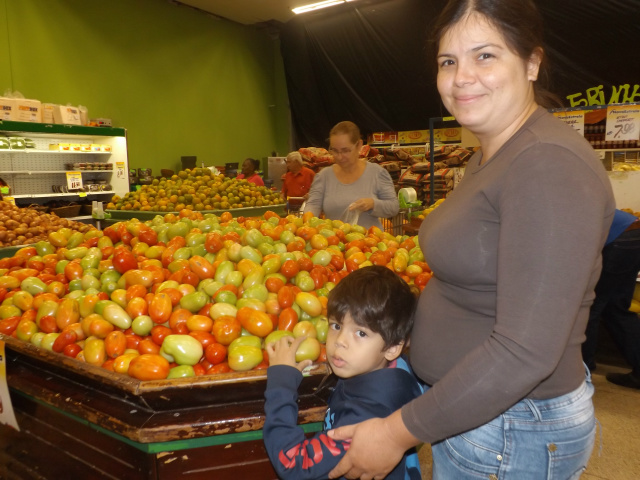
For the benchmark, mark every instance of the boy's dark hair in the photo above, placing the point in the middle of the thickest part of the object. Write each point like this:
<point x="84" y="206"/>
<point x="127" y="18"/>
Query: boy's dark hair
<point x="376" y="298"/>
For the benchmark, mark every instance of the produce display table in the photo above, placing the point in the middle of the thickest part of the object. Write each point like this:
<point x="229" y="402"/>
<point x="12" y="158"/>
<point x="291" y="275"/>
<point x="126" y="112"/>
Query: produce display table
<point x="80" y="421"/>
<point x="119" y="215"/>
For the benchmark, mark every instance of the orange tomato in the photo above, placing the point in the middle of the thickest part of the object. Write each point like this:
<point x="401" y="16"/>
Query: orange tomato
<point x="255" y="322"/>
<point x="160" y="307"/>
<point x="149" y="367"/>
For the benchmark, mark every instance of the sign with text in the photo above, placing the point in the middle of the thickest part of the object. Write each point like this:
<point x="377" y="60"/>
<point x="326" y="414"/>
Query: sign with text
<point x="6" y="409"/>
<point x="574" y="119"/>
<point x="119" y="169"/>
<point x="623" y="122"/>
<point x="74" y="180"/>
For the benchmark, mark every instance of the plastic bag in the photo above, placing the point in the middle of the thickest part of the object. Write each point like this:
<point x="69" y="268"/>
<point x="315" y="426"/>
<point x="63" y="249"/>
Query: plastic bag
<point x="350" y="216"/>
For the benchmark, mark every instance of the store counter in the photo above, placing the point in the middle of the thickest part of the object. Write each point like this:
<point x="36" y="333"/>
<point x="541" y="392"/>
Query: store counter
<point x="80" y="421"/>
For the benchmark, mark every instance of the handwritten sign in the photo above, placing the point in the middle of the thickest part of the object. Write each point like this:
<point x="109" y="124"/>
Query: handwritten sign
<point x="7" y="416"/>
<point x="74" y="180"/>
<point x="623" y="123"/>
<point x="574" y="119"/>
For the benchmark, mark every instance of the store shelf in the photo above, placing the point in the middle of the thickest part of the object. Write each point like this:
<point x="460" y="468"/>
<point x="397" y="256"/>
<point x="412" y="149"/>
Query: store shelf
<point x="33" y="151"/>
<point x="71" y="194"/>
<point x="47" y="172"/>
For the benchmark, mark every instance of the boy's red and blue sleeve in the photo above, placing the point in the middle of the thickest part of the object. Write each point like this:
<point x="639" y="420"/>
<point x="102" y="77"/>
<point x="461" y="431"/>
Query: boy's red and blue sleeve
<point x="293" y="455"/>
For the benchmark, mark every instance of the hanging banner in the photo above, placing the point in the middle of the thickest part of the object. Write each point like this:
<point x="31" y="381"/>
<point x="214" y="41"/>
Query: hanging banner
<point x="623" y="123"/>
<point x="6" y="409"/>
<point x="574" y="119"/>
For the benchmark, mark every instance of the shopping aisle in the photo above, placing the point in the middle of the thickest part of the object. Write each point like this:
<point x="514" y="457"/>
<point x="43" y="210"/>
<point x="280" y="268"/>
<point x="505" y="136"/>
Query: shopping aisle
<point x="618" y="410"/>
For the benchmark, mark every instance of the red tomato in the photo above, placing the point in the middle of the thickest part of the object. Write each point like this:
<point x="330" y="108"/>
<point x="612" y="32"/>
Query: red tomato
<point x="255" y="322"/>
<point x="290" y="268"/>
<point x="305" y="263"/>
<point x="133" y="340"/>
<point x="219" y="368"/>
<point x="72" y="350"/>
<point x="213" y="242"/>
<point x="205" y="338"/>
<point x="158" y="334"/>
<point x="137" y="306"/>
<point x="147" y="345"/>
<point x="73" y="271"/>
<point x="274" y="284"/>
<point x="215" y="353"/>
<point x="160" y="307"/>
<point x="422" y="279"/>
<point x="226" y="329"/>
<point x="199" y="370"/>
<point x="287" y="319"/>
<point x="201" y="267"/>
<point x="124" y="260"/>
<point x="148" y="236"/>
<point x="9" y="325"/>
<point x="115" y="344"/>
<point x="149" y="367"/>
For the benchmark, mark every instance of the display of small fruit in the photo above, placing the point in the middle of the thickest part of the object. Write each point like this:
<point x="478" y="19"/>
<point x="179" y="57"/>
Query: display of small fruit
<point x="430" y="209"/>
<point x="196" y="189"/>
<point x="21" y="226"/>
<point x="190" y="294"/>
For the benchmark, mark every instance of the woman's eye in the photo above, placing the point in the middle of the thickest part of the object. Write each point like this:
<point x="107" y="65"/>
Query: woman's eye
<point x="446" y="63"/>
<point x="485" y="56"/>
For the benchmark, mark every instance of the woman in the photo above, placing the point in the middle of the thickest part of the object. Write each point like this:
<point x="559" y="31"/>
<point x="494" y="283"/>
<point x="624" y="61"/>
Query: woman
<point x="249" y="167"/>
<point x="515" y="251"/>
<point x="352" y="187"/>
<point x="297" y="181"/>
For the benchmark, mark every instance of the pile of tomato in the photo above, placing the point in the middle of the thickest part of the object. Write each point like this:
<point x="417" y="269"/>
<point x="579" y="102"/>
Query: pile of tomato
<point x="188" y="295"/>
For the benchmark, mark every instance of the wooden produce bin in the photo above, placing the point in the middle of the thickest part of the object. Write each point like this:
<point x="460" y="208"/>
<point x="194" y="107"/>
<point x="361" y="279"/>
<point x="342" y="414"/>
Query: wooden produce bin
<point x="121" y="215"/>
<point x="81" y="421"/>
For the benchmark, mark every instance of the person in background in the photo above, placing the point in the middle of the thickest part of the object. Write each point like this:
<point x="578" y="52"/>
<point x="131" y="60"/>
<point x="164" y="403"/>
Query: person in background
<point x="370" y="316"/>
<point x="614" y="291"/>
<point x="515" y="252"/>
<point x="352" y="185"/>
<point x="249" y="167"/>
<point x="297" y="181"/>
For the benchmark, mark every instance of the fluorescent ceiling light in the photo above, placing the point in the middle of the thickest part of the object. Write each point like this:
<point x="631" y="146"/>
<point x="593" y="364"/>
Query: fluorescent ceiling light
<point x="318" y="6"/>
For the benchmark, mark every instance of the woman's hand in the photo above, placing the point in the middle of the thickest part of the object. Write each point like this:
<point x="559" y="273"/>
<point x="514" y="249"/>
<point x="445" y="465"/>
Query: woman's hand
<point x="362" y="204"/>
<point x="377" y="446"/>
<point x="283" y="352"/>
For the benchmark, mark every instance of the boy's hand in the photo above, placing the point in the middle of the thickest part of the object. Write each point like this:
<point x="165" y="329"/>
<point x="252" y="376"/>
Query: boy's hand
<point x="283" y="352"/>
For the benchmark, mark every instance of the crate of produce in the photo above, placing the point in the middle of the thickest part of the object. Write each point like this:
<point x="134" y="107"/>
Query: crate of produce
<point x="235" y="212"/>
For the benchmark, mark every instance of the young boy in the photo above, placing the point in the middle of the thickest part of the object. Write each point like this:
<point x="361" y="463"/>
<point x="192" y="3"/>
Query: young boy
<point x="370" y="317"/>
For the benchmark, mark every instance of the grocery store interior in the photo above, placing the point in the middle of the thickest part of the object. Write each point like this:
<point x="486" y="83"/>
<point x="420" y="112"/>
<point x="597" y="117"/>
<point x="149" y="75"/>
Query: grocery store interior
<point x="117" y="113"/>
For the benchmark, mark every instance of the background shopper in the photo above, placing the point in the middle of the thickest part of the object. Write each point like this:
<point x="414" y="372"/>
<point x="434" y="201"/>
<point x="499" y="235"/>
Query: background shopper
<point x="297" y="181"/>
<point x="352" y="185"/>
<point x="515" y="254"/>
<point x="614" y="291"/>
<point x="249" y="167"/>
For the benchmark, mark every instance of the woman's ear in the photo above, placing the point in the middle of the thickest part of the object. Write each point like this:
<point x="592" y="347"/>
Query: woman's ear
<point x="533" y="64"/>
<point x="393" y="352"/>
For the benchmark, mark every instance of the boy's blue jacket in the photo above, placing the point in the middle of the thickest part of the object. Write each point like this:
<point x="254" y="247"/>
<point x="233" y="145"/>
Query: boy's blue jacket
<point x="374" y="394"/>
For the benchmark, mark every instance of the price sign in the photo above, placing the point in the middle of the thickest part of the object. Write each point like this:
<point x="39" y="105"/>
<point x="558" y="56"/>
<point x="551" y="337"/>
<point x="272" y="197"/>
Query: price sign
<point x="574" y="119"/>
<point x="623" y="123"/>
<point x="119" y="169"/>
<point x="6" y="409"/>
<point x="74" y="180"/>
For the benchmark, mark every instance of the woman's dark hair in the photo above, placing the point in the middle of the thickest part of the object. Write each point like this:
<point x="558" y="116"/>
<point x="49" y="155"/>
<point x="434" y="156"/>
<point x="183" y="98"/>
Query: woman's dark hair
<point x="254" y="162"/>
<point x="521" y="25"/>
<point x="376" y="298"/>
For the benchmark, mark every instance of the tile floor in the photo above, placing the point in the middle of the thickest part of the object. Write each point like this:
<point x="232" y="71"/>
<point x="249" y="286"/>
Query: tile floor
<point x="617" y="455"/>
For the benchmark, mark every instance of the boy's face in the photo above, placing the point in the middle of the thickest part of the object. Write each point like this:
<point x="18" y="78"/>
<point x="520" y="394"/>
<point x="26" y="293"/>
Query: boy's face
<point x="353" y="350"/>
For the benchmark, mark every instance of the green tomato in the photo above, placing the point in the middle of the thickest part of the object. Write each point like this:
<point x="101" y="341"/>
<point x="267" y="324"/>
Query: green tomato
<point x="36" y="338"/>
<point x="234" y="278"/>
<point x="277" y="335"/>
<point x="244" y="357"/>
<point x="321" y="257"/>
<point x="78" y="252"/>
<point x="44" y="248"/>
<point x="251" y="254"/>
<point x="89" y="281"/>
<point x="255" y="277"/>
<point x="60" y="266"/>
<point x="74" y="240"/>
<point x="322" y="327"/>
<point x="251" y="303"/>
<point x="253" y="238"/>
<point x="181" y="371"/>
<point x="266" y="248"/>
<point x="182" y="349"/>
<point x="258" y="291"/>
<point x="47" y="341"/>
<point x="183" y="253"/>
<point x="142" y="325"/>
<point x="33" y="285"/>
<point x="168" y="284"/>
<point x="287" y="237"/>
<point x="271" y="265"/>
<point x="117" y="316"/>
<point x="245" y="340"/>
<point x="109" y="276"/>
<point x="194" y="301"/>
<point x="225" y="296"/>
<point x="210" y="288"/>
<point x="220" y="309"/>
<point x="76" y="294"/>
<point x="309" y="349"/>
<point x="279" y="248"/>
<point x="223" y="270"/>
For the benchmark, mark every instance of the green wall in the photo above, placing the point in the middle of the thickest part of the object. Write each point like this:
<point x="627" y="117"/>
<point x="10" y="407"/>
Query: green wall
<point x="180" y="81"/>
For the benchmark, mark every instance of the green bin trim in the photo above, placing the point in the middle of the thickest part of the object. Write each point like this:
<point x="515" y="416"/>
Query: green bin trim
<point x="28" y="127"/>
<point x="158" y="447"/>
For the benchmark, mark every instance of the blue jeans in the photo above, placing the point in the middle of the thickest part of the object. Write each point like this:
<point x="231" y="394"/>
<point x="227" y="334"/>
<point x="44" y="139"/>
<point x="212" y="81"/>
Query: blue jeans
<point x="533" y="440"/>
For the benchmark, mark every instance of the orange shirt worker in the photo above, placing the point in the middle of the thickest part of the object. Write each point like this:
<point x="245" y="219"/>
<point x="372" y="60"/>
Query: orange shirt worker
<point x="297" y="181"/>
